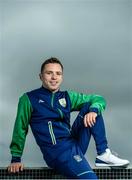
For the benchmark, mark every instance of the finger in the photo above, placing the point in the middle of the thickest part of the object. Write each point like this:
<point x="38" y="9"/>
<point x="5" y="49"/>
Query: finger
<point x="92" y="120"/>
<point x="9" y="169"/>
<point x="17" y="168"/>
<point x="89" y="120"/>
<point x="95" y="115"/>
<point x="22" y="167"/>
<point x="14" y="169"/>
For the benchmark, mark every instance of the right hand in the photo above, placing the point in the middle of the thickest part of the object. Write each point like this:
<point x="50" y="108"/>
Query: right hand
<point x="90" y="119"/>
<point x="15" y="167"/>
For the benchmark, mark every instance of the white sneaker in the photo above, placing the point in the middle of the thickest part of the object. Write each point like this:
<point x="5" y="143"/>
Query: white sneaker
<point x="108" y="159"/>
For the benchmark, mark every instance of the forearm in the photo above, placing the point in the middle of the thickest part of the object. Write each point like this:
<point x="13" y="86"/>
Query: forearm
<point x="20" y="128"/>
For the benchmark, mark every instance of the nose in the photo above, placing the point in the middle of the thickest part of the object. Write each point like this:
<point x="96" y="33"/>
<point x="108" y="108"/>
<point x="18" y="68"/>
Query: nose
<point x="54" y="76"/>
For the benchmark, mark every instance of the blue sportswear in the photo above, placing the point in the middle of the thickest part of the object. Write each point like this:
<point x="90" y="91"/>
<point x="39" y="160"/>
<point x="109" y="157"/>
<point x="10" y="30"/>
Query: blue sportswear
<point x="48" y="115"/>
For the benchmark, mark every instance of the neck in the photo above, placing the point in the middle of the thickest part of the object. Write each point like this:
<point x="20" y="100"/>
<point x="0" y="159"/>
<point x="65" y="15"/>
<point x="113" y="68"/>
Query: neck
<point x="54" y="91"/>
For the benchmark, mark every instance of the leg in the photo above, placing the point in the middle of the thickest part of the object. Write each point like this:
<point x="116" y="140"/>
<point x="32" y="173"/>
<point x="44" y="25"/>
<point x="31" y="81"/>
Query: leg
<point x="83" y="134"/>
<point x="99" y="135"/>
<point x="73" y="165"/>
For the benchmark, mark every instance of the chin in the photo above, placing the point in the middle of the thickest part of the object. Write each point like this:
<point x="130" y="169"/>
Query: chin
<point x="55" y="89"/>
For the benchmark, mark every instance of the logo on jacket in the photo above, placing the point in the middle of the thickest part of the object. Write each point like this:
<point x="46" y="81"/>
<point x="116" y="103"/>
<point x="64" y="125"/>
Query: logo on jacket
<point x="41" y="101"/>
<point x="62" y="102"/>
<point x="77" y="158"/>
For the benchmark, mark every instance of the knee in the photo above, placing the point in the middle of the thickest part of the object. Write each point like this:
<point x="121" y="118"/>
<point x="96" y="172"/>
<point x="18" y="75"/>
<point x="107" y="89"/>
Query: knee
<point x="85" y="108"/>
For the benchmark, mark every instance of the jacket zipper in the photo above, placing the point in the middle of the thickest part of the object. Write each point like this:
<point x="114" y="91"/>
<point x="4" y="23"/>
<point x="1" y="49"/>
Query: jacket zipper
<point x="51" y="133"/>
<point x="61" y="114"/>
<point x="52" y="99"/>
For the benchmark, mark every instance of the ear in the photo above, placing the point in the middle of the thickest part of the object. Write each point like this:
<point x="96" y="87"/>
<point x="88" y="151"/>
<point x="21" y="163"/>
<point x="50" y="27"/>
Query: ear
<point x="40" y="76"/>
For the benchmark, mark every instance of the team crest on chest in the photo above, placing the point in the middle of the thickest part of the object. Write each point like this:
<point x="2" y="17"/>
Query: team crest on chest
<point x="62" y="102"/>
<point x="77" y="158"/>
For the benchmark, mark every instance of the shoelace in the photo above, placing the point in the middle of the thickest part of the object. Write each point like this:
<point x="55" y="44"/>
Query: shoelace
<point x="114" y="153"/>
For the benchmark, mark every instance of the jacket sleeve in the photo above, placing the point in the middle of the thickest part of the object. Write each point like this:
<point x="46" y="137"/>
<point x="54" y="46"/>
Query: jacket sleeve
<point x="97" y="102"/>
<point x="20" y="128"/>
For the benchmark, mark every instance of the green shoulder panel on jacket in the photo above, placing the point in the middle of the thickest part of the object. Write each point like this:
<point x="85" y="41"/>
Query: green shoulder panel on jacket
<point x="78" y="99"/>
<point x="21" y="126"/>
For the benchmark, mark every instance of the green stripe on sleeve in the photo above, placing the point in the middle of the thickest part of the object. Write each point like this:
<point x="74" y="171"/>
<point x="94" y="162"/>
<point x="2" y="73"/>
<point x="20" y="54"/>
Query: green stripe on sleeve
<point x="21" y="126"/>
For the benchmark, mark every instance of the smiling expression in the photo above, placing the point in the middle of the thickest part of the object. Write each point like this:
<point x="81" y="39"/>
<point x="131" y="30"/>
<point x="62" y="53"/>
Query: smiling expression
<point x="52" y="76"/>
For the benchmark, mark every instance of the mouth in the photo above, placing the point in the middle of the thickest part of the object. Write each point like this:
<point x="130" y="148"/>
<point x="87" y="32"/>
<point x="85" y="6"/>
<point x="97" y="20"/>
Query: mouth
<point x="53" y="83"/>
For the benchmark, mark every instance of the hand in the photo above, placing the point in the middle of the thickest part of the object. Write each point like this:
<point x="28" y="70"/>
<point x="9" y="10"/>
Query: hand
<point x="15" y="167"/>
<point x="90" y="119"/>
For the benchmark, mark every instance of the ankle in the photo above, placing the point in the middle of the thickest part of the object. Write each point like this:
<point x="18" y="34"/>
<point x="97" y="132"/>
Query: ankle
<point x="102" y="152"/>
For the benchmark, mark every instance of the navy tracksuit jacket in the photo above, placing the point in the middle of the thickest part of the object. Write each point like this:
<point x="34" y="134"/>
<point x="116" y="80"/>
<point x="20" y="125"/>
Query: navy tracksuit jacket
<point x="63" y="146"/>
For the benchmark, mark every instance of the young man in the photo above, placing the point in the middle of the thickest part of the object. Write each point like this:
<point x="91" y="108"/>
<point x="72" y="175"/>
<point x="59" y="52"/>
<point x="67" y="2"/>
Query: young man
<point x="47" y="111"/>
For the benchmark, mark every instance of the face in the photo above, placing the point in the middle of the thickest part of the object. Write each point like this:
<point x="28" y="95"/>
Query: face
<point x="52" y="76"/>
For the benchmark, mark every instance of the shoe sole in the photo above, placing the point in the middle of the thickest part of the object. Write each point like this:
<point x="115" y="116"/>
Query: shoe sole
<point x="112" y="165"/>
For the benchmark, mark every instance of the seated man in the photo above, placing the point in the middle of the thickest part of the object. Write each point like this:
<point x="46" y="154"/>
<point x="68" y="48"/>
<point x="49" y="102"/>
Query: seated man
<point x="47" y="111"/>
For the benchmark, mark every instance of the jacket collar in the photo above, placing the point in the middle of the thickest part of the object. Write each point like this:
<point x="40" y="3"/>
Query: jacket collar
<point x="48" y="91"/>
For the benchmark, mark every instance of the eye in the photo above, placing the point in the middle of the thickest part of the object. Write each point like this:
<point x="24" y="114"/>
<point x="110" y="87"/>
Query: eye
<point x="59" y="73"/>
<point x="48" y="72"/>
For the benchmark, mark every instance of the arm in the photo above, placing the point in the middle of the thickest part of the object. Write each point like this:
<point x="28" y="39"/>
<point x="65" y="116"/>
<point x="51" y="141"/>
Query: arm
<point x="19" y="133"/>
<point x="97" y="105"/>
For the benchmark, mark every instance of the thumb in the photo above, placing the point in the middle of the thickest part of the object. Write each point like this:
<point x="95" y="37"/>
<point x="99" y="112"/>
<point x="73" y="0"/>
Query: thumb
<point x="21" y="167"/>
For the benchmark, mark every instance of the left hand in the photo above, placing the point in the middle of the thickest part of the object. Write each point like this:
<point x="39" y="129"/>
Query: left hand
<point x="15" y="167"/>
<point x="90" y="119"/>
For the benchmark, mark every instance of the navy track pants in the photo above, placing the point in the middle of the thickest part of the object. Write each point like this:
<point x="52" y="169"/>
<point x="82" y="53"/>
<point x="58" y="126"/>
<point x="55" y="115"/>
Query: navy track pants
<point x="72" y="163"/>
